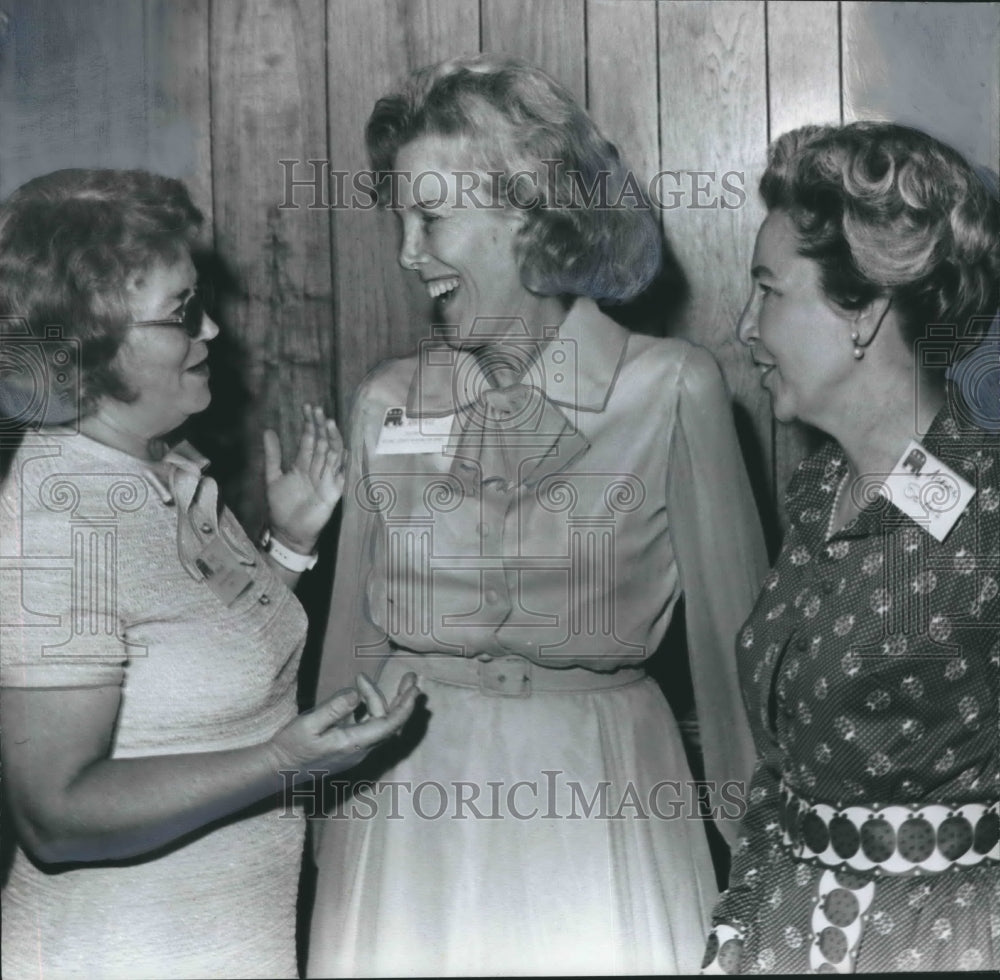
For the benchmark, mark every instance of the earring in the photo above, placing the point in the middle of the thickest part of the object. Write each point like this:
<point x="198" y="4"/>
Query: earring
<point x="858" y="350"/>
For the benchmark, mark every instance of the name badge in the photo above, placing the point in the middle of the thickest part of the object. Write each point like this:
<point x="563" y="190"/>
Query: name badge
<point x="923" y="488"/>
<point x="224" y="574"/>
<point x="401" y="435"/>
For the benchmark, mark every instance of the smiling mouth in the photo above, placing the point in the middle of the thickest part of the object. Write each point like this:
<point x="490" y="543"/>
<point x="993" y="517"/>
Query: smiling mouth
<point x="765" y="368"/>
<point x="443" y="289"/>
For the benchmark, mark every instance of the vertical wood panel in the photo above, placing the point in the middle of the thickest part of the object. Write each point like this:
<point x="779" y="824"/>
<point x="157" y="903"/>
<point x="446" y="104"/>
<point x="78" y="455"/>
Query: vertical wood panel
<point x="269" y="103"/>
<point x="177" y="73"/>
<point x="803" y="57"/>
<point x="929" y="65"/>
<point x="549" y="35"/>
<point x="372" y="46"/>
<point x="621" y="78"/>
<point x="713" y="119"/>
<point x="93" y="85"/>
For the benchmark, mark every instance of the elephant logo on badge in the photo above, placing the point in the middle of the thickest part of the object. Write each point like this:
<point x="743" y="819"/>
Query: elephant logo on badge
<point x="393" y="416"/>
<point x="915" y="461"/>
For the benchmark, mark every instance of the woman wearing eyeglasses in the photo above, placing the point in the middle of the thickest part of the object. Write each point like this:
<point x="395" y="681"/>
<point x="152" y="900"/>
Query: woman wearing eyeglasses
<point x="149" y="650"/>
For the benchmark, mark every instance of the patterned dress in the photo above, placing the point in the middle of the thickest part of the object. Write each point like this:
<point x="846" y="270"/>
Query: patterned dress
<point x="871" y="665"/>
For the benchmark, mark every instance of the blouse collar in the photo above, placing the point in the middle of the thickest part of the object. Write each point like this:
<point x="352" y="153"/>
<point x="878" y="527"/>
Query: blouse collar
<point x="577" y="368"/>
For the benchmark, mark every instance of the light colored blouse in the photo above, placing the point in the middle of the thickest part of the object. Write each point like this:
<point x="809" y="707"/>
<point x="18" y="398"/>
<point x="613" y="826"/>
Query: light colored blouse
<point x="558" y="520"/>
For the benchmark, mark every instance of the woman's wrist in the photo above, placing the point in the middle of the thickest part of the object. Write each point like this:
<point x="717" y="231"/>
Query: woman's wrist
<point x="303" y="544"/>
<point x="297" y="554"/>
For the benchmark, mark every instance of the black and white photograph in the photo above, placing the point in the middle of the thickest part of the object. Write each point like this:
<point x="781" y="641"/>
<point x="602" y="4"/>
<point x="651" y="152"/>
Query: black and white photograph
<point x="499" y="488"/>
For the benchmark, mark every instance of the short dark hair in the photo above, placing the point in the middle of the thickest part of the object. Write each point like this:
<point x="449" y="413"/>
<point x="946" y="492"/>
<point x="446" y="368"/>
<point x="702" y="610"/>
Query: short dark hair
<point x="886" y="210"/>
<point x="515" y="117"/>
<point x="71" y="240"/>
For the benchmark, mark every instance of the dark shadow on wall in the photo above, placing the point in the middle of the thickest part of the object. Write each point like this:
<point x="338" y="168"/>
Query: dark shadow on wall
<point x="657" y="309"/>
<point x="220" y="432"/>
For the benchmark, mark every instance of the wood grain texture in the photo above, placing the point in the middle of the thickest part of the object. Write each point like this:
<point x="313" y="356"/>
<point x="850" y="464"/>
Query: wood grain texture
<point x="549" y="35"/>
<point x="78" y="94"/>
<point x="713" y="122"/>
<point x="178" y="94"/>
<point x="269" y="104"/>
<point x="803" y="59"/>
<point x="379" y="312"/>
<point x="929" y="65"/>
<point x="621" y="79"/>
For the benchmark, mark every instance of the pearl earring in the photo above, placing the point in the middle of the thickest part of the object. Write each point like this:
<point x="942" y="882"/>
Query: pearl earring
<point x="858" y="350"/>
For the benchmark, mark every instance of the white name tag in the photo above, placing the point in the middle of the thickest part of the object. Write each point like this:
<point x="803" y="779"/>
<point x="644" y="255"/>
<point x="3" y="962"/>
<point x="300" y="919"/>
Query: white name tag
<point x="923" y="488"/>
<point x="401" y="435"/>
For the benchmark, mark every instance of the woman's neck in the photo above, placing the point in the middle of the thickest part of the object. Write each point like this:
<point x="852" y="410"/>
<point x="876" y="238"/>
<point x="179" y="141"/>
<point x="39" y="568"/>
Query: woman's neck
<point x="103" y="427"/>
<point x="883" y="423"/>
<point x="505" y="361"/>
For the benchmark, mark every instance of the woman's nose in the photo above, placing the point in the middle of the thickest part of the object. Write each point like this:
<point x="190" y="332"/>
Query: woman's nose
<point x="411" y="250"/>
<point x="209" y="328"/>
<point x="746" y="327"/>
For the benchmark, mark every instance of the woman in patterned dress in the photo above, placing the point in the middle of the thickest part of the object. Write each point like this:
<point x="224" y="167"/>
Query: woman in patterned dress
<point x="871" y="661"/>
<point x="526" y="500"/>
<point x="149" y="652"/>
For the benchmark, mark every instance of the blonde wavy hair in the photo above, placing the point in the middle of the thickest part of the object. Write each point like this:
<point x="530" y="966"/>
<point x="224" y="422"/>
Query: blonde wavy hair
<point x="514" y="119"/>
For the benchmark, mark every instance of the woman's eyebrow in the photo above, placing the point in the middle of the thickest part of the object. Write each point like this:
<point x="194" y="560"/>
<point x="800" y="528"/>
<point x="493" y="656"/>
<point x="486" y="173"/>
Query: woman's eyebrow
<point x="429" y="203"/>
<point x="761" y="270"/>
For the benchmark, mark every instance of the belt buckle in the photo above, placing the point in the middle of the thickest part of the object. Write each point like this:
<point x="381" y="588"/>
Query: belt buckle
<point x="505" y="677"/>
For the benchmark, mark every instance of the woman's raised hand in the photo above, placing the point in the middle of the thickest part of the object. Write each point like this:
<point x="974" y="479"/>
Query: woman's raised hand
<point x="327" y="738"/>
<point x="301" y="499"/>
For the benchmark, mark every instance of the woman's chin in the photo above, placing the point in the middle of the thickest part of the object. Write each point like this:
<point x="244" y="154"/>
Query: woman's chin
<point x="781" y="410"/>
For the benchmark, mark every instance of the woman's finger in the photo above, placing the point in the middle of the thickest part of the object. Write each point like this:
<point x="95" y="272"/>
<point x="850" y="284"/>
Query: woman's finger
<point x="333" y="711"/>
<point x="272" y="456"/>
<point x="321" y="448"/>
<point x="373" y="697"/>
<point x="307" y="440"/>
<point x="407" y="683"/>
<point x="375" y="730"/>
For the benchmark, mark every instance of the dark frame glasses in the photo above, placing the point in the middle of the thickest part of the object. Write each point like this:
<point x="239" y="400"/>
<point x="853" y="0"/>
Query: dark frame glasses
<point x="189" y="320"/>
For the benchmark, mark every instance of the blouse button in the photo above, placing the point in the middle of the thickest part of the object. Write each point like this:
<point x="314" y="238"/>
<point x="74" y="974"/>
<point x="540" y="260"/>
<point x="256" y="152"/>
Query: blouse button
<point x="206" y="528"/>
<point x="264" y="599"/>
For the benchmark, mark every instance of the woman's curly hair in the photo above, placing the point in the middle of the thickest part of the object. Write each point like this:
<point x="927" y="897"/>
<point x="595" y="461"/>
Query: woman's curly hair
<point x="886" y="210"/>
<point x="71" y="241"/>
<point x="515" y="121"/>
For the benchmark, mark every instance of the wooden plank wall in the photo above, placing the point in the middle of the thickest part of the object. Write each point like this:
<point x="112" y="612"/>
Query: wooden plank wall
<point x="219" y="92"/>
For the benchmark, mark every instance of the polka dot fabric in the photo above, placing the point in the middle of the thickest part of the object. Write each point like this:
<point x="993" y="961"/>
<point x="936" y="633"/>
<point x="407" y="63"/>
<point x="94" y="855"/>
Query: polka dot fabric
<point x="871" y="670"/>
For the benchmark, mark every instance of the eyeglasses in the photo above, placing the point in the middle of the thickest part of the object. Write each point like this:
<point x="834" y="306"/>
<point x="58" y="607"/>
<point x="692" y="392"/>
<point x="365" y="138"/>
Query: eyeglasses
<point x="189" y="319"/>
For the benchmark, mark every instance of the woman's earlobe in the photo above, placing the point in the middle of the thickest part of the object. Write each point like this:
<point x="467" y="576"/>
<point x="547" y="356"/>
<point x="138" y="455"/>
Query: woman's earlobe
<point x="867" y="324"/>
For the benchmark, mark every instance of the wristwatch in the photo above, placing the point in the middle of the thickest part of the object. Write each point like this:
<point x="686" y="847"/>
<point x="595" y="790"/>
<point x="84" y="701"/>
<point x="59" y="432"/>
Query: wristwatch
<point x="292" y="560"/>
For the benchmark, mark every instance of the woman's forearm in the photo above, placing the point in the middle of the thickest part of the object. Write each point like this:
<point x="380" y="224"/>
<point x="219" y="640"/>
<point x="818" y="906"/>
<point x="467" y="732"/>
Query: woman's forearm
<point x="121" y="808"/>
